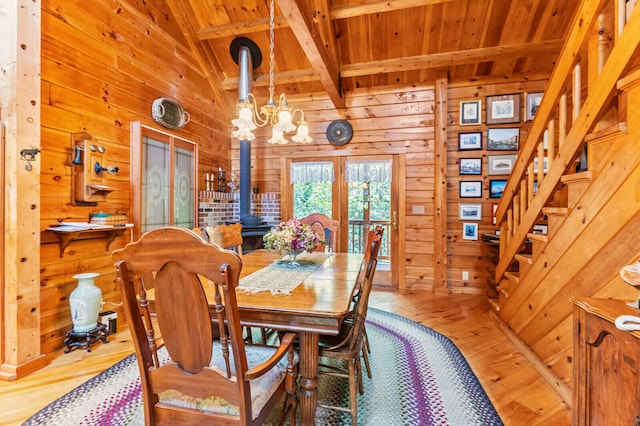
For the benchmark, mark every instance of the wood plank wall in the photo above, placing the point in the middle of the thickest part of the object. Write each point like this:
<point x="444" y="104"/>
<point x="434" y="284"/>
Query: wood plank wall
<point x="465" y="255"/>
<point x="103" y="64"/>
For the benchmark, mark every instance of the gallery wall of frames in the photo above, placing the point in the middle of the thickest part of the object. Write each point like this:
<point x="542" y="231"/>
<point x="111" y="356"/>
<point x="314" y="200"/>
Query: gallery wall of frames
<point x="487" y="125"/>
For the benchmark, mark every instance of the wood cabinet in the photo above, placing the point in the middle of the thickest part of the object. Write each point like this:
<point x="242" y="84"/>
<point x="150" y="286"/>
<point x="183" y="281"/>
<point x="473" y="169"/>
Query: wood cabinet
<point x="606" y="365"/>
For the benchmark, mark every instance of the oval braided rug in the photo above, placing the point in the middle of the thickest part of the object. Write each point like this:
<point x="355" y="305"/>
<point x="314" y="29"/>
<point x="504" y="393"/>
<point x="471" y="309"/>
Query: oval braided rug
<point x="419" y="378"/>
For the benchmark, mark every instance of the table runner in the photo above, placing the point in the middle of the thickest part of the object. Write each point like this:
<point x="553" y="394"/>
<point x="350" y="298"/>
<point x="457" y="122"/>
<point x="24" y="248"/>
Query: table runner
<point x="282" y="277"/>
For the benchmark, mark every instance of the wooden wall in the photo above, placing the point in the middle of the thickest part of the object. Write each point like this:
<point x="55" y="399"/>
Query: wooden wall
<point x="388" y="120"/>
<point x="467" y="255"/>
<point x="103" y="64"/>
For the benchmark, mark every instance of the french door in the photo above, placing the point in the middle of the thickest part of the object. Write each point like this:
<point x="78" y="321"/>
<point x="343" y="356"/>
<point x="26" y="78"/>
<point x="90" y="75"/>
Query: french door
<point x="361" y="192"/>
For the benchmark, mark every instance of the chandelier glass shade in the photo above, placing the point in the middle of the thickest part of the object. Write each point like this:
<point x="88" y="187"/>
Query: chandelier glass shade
<point x="279" y="116"/>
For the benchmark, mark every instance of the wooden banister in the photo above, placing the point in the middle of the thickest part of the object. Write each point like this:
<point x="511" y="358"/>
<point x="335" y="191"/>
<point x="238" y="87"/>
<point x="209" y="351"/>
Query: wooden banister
<point x="519" y="208"/>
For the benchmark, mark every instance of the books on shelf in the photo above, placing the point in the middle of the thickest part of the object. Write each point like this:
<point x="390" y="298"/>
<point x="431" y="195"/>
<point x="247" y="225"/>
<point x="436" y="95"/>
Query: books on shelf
<point x="84" y="226"/>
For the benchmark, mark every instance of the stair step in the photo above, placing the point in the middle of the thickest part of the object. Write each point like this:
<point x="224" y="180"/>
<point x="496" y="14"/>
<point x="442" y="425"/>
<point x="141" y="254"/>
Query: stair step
<point x="538" y="237"/>
<point x="513" y="277"/>
<point x="556" y="211"/>
<point x="494" y="304"/>
<point x="577" y="177"/>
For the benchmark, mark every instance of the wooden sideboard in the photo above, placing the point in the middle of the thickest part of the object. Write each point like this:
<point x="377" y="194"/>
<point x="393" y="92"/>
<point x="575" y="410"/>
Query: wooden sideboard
<point x="606" y="372"/>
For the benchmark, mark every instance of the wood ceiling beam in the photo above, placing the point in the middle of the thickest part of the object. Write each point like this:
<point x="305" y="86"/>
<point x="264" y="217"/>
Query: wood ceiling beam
<point x="419" y="62"/>
<point x="342" y="11"/>
<point x="326" y="68"/>
<point x="368" y="7"/>
<point x="445" y="59"/>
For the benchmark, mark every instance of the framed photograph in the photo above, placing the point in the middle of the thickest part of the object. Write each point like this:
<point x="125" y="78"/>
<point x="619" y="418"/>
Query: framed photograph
<point x="503" y="139"/>
<point x="470" y="112"/>
<point x="545" y="167"/>
<point x="471" y="166"/>
<point x="469" y="231"/>
<point x="540" y="229"/>
<point x="470" y="189"/>
<point x="494" y="209"/>
<point x="496" y="188"/>
<point x="468" y="211"/>
<point x="501" y="164"/>
<point x="503" y="109"/>
<point x="469" y="140"/>
<point x="531" y="105"/>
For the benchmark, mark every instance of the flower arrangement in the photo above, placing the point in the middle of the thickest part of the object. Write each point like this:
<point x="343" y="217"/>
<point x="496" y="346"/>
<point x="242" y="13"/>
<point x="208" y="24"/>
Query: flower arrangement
<point x="291" y="236"/>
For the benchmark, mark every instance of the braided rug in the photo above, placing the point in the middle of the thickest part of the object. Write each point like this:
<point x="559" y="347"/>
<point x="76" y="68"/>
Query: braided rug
<point x="419" y="378"/>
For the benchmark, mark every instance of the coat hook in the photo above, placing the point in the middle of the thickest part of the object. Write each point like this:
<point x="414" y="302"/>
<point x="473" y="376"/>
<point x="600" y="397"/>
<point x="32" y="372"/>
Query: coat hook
<point x="29" y="155"/>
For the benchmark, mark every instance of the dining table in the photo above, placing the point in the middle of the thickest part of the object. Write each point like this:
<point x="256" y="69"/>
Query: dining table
<point x="315" y="302"/>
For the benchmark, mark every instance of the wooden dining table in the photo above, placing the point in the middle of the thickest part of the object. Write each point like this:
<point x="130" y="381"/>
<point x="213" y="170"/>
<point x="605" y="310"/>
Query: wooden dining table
<point x="315" y="307"/>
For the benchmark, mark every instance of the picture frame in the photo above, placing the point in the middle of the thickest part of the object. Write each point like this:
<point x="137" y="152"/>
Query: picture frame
<point x="470" y="211"/>
<point x="469" y="231"/>
<point x="470" y="166"/>
<point x="469" y="141"/>
<point x="470" y="189"/>
<point x="471" y="112"/>
<point x="500" y="164"/>
<point x="503" y="139"/>
<point x="545" y="162"/>
<point x="531" y="105"/>
<point x="503" y="109"/>
<point x="496" y="187"/>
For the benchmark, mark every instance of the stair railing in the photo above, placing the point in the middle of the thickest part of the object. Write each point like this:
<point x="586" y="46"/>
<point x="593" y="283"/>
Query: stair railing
<point x="600" y="45"/>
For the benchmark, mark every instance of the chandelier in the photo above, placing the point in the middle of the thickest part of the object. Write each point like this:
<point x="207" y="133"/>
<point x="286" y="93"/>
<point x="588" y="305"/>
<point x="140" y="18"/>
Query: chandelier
<point x="279" y="116"/>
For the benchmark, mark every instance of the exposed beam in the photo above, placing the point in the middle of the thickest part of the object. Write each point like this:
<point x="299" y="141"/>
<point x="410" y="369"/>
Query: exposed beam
<point x="326" y="68"/>
<point x="368" y="7"/>
<point x="239" y="28"/>
<point x="445" y="59"/>
<point x="437" y="60"/>
<point x="336" y="12"/>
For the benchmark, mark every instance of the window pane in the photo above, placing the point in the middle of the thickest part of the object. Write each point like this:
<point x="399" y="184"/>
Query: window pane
<point x="183" y="188"/>
<point x="155" y="184"/>
<point x="312" y="198"/>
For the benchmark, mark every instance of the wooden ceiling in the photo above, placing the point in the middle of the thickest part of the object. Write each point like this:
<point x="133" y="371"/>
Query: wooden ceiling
<point x="328" y="47"/>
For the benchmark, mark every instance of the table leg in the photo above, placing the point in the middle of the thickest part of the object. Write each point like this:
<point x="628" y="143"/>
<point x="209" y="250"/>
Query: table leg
<point x="309" y="380"/>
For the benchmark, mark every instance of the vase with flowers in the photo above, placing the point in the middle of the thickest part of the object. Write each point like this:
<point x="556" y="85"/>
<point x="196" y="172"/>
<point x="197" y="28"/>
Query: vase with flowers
<point x="291" y="238"/>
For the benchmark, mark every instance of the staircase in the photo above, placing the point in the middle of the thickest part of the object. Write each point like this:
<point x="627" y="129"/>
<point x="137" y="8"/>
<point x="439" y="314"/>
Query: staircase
<point x="587" y="128"/>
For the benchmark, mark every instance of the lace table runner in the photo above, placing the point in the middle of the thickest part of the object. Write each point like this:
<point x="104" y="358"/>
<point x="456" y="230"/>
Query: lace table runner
<point x="281" y="277"/>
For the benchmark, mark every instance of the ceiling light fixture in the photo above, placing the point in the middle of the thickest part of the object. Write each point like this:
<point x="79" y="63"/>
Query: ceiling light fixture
<point x="279" y="116"/>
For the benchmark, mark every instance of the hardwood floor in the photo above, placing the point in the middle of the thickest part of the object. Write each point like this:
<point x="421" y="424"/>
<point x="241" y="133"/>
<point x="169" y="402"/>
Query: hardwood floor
<point x="517" y="391"/>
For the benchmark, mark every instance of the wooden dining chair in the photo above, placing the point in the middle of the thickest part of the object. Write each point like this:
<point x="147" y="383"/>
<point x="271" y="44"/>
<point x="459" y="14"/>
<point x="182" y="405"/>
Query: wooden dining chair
<point x="326" y="228"/>
<point x="366" y="271"/>
<point x="204" y="380"/>
<point x="226" y="236"/>
<point x="348" y="344"/>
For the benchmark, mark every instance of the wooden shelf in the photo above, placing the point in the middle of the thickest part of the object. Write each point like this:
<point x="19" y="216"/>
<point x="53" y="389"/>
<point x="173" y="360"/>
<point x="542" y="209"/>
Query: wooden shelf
<point x="64" y="237"/>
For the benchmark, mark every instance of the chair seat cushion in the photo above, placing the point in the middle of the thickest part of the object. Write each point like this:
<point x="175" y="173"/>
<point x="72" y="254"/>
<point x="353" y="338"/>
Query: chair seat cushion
<point x="261" y="388"/>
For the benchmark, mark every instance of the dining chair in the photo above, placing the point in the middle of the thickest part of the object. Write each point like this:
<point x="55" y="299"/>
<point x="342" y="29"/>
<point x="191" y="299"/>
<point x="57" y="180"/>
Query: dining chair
<point x="348" y="344"/>
<point x="226" y="236"/>
<point x="202" y="380"/>
<point x="326" y="228"/>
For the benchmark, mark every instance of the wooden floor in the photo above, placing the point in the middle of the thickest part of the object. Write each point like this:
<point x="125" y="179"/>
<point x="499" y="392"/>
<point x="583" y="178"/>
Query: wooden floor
<point x="517" y="391"/>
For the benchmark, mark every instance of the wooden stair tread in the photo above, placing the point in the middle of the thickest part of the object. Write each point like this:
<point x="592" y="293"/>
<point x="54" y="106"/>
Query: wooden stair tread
<point x="494" y="304"/>
<point x="609" y="131"/>
<point x="581" y="177"/>
<point x="524" y="258"/>
<point x="513" y="277"/>
<point x="560" y="211"/>
<point x="536" y="236"/>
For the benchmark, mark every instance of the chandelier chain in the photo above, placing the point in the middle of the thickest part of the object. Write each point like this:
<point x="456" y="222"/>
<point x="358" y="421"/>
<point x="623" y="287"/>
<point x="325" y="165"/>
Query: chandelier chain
<point x="271" y="48"/>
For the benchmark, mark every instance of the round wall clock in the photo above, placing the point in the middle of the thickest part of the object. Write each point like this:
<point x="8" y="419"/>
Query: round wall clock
<point x="339" y="132"/>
